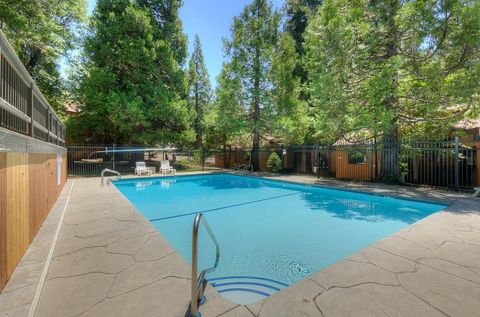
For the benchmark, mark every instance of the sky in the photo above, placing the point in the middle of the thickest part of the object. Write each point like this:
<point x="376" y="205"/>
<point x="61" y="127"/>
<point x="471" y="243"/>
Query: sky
<point x="211" y="20"/>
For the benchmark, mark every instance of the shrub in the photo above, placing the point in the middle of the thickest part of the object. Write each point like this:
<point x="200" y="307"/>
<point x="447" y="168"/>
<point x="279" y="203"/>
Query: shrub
<point x="274" y="163"/>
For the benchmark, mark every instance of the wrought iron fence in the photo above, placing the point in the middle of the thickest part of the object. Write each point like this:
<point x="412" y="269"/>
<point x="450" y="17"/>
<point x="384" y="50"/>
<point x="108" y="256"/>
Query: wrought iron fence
<point x="90" y="160"/>
<point x="448" y="163"/>
<point x="23" y="108"/>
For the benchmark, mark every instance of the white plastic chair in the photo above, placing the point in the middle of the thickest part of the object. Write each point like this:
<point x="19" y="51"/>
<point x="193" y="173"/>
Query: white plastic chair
<point x="166" y="168"/>
<point x="141" y="169"/>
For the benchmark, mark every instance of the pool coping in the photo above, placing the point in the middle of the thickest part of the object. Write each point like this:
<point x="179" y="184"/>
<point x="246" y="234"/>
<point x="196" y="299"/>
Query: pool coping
<point x="361" y="284"/>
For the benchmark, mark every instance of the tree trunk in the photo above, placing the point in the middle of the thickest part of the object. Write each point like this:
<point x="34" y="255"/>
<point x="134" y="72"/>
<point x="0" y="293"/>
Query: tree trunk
<point x="255" y="156"/>
<point x="256" y="133"/>
<point x="225" y="158"/>
<point x="390" y="161"/>
<point x="198" y="119"/>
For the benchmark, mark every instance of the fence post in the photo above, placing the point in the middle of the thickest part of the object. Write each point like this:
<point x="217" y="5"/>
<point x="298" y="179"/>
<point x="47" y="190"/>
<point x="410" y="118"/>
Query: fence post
<point x="371" y="161"/>
<point x="317" y="162"/>
<point x="203" y="159"/>
<point x="30" y="109"/>
<point x="113" y="157"/>
<point x="456" y="171"/>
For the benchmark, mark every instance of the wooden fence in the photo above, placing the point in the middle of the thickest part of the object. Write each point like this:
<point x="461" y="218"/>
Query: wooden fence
<point x="33" y="167"/>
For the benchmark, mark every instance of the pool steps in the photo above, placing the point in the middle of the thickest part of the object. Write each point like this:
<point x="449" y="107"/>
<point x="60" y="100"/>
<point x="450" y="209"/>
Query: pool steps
<point x="246" y="289"/>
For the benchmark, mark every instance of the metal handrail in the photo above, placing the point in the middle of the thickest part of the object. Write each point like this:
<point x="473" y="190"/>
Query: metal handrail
<point x="110" y="171"/>
<point x="199" y="283"/>
<point x="239" y="166"/>
<point x="249" y="168"/>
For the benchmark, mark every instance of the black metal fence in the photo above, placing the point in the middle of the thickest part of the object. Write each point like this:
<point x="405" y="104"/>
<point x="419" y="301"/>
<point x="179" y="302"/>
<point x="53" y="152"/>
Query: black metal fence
<point x="90" y="160"/>
<point x="448" y="163"/>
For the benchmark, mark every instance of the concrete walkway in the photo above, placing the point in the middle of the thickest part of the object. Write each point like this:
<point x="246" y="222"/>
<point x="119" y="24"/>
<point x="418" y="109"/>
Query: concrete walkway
<point x="109" y="261"/>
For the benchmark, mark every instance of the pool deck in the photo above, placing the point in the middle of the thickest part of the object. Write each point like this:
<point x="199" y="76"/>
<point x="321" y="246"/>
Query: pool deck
<point x="110" y="261"/>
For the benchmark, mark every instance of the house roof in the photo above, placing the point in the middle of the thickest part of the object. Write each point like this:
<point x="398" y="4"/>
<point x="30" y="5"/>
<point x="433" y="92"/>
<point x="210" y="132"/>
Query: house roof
<point x="467" y="124"/>
<point x="71" y="106"/>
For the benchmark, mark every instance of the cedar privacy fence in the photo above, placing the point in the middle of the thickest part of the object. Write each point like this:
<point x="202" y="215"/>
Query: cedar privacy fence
<point x="23" y="108"/>
<point x="450" y="163"/>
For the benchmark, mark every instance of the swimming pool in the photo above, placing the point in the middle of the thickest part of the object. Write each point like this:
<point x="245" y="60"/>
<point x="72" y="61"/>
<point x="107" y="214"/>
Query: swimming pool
<point x="271" y="233"/>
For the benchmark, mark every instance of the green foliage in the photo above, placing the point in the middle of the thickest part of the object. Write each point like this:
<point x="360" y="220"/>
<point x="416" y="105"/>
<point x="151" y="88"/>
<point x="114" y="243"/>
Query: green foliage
<point x="132" y="88"/>
<point x="398" y="69"/>
<point x="199" y="90"/>
<point x="251" y="48"/>
<point x="226" y="120"/>
<point x="41" y="32"/>
<point x="165" y="18"/>
<point x="297" y="15"/>
<point x="291" y="119"/>
<point x="274" y="163"/>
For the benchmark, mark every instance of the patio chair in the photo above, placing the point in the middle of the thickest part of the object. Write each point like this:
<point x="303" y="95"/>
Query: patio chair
<point x="165" y="167"/>
<point x="141" y="169"/>
<point x="477" y="192"/>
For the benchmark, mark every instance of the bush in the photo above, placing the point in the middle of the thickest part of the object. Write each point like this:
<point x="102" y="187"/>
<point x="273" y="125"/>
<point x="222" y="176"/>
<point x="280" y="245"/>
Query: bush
<point x="274" y="163"/>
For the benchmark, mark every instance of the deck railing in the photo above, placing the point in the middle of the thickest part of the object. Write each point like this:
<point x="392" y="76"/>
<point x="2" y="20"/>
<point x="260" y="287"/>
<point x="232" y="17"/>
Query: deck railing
<point x="23" y="108"/>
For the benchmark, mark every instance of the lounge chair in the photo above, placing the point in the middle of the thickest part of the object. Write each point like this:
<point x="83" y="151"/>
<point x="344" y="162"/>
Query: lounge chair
<point x="477" y="192"/>
<point x="141" y="169"/>
<point x="165" y="167"/>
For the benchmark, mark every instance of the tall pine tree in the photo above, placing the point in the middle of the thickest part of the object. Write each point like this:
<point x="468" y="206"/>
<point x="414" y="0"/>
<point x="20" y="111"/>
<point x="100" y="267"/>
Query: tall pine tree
<point x="168" y="28"/>
<point x="226" y="120"/>
<point x="199" y="90"/>
<point x="297" y="15"/>
<point x="290" y="122"/>
<point x="251" y="48"/>
<point x="132" y="79"/>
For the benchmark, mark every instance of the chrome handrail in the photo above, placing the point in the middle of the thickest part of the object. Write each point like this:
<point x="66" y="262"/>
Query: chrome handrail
<point x="198" y="283"/>
<point x="249" y="168"/>
<point x="110" y="171"/>
<point x="239" y="166"/>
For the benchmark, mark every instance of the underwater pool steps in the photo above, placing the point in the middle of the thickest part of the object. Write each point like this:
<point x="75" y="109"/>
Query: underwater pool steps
<point x="247" y="284"/>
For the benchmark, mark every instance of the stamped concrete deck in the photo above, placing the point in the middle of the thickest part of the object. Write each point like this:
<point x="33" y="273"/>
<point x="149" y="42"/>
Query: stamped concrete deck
<point x="109" y="261"/>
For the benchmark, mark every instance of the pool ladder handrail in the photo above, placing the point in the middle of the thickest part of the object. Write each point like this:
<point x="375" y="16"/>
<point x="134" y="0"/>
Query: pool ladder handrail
<point x="106" y="170"/>
<point x="198" y="283"/>
<point x="239" y="167"/>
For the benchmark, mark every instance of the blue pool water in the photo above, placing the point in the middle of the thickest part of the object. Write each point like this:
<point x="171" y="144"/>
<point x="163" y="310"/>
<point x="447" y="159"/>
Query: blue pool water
<point x="271" y="233"/>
